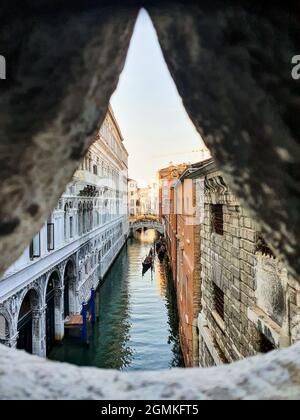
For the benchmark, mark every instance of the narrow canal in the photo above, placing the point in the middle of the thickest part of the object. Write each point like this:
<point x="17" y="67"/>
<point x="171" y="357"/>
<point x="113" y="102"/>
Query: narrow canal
<point x="138" y="319"/>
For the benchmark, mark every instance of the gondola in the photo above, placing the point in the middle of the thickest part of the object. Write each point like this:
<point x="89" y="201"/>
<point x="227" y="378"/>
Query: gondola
<point x="147" y="264"/>
<point x="158" y="246"/>
<point x="162" y="253"/>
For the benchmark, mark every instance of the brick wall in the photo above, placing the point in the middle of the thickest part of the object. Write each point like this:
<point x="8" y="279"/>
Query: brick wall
<point x="233" y="262"/>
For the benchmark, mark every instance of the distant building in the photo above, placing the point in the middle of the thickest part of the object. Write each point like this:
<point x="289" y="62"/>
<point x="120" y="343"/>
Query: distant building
<point x="167" y="181"/>
<point x="145" y="200"/>
<point x="133" y="198"/>
<point x="154" y="198"/>
<point x="72" y="252"/>
<point x="188" y="269"/>
<point x="142" y="201"/>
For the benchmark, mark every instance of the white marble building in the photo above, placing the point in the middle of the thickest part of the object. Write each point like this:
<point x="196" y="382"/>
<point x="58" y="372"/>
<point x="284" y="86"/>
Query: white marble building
<point x="72" y="252"/>
<point x="154" y="198"/>
<point x="133" y="198"/>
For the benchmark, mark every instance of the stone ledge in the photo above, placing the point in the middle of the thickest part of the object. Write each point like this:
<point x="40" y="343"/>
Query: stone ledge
<point x="268" y="327"/>
<point x="270" y="377"/>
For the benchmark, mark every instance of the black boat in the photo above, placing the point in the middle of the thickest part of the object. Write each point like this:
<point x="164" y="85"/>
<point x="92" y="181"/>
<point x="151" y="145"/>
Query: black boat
<point x="162" y="253"/>
<point x="147" y="264"/>
<point x="158" y="246"/>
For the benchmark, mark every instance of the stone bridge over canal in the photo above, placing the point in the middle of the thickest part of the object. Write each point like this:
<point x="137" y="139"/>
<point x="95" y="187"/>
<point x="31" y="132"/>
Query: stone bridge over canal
<point x="146" y="223"/>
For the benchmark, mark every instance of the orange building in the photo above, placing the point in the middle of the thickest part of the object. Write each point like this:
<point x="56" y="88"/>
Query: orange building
<point x="167" y="212"/>
<point x="188" y="279"/>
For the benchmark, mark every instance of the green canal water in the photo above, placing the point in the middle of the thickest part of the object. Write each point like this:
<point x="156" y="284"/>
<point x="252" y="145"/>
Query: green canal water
<point x="138" y="318"/>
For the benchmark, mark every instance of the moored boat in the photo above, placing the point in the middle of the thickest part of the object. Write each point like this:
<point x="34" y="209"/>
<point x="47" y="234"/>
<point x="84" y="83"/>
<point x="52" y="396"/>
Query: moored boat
<point x="162" y="253"/>
<point x="147" y="264"/>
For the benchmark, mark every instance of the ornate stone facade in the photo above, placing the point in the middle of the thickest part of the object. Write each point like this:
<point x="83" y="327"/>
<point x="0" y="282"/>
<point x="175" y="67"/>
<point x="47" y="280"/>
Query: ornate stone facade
<point x="73" y="251"/>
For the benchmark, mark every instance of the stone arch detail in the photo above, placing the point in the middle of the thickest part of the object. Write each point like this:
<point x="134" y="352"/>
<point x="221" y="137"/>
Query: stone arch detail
<point x="58" y="283"/>
<point x="9" y="319"/>
<point x="70" y="281"/>
<point x="55" y="314"/>
<point x="38" y="318"/>
<point x="37" y="301"/>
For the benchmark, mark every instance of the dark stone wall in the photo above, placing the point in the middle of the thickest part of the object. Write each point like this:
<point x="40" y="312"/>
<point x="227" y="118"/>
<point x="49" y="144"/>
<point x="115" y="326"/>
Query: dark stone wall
<point x="63" y="64"/>
<point x="231" y="62"/>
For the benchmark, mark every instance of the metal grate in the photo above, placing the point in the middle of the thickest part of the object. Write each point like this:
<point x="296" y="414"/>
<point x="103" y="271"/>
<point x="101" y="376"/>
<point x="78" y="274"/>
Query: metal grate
<point x="219" y="301"/>
<point x="217" y="218"/>
<point x="265" y="344"/>
<point x="262" y="246"/>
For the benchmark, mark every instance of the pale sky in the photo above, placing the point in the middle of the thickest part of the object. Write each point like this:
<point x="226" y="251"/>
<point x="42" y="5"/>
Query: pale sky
<point x="153" y="121"/>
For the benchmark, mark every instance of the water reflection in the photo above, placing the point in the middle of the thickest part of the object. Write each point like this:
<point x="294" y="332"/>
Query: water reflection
<point x="138" y="320"/>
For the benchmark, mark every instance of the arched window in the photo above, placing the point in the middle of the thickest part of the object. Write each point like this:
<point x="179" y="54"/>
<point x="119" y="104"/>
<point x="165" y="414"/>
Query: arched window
<point x="79" y="219"/>
<point x="84" y="219"/>
<point x="26" y="332"/>
<point x="66" y="222"/>
<point x="91" y="224"/>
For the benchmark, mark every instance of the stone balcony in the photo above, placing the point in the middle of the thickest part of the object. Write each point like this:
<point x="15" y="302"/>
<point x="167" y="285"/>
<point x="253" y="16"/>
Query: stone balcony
<point x="92" y="179"/>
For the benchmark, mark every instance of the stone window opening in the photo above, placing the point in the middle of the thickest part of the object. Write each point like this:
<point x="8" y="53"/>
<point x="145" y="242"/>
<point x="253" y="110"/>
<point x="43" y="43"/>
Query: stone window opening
<point x="50" y="236"/>
<point x="71" y="227"/>
<point x="263" y="247"/>
<point x="66" y="210"/>
<point x="35" y="247"/>
<point x="217" y="219"/>
<point x="283" y="105"/>
<point x="219" y="301"/>
<point x="265" y="345"/>
<point x="28" y="326"/>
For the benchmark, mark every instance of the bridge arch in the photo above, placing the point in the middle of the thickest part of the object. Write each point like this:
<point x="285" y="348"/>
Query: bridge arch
<point x="147" y="223"/>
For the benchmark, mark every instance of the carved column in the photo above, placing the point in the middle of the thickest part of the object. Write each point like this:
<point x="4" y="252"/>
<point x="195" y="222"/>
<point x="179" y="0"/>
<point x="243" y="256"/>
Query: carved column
<point x="39" y="332"/>
<point x="72" y="295"/>
<point x="59" y="313"/>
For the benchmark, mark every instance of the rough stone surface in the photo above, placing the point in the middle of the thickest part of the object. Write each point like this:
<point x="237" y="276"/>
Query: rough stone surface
<point x="275" y="376"/>
<point x="231" y="62"/>
<point x="63" y="64"/>
<point x="259" y="307"/>
<point x="232" y="66"/>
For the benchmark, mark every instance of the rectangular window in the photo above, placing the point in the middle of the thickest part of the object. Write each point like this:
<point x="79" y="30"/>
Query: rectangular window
<point x="219" y="301"/>
<point x="50" y="236"/>
<point x="71" y="227"/>
<point x="217" y="219"/>
<point x="35" y="247"/>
